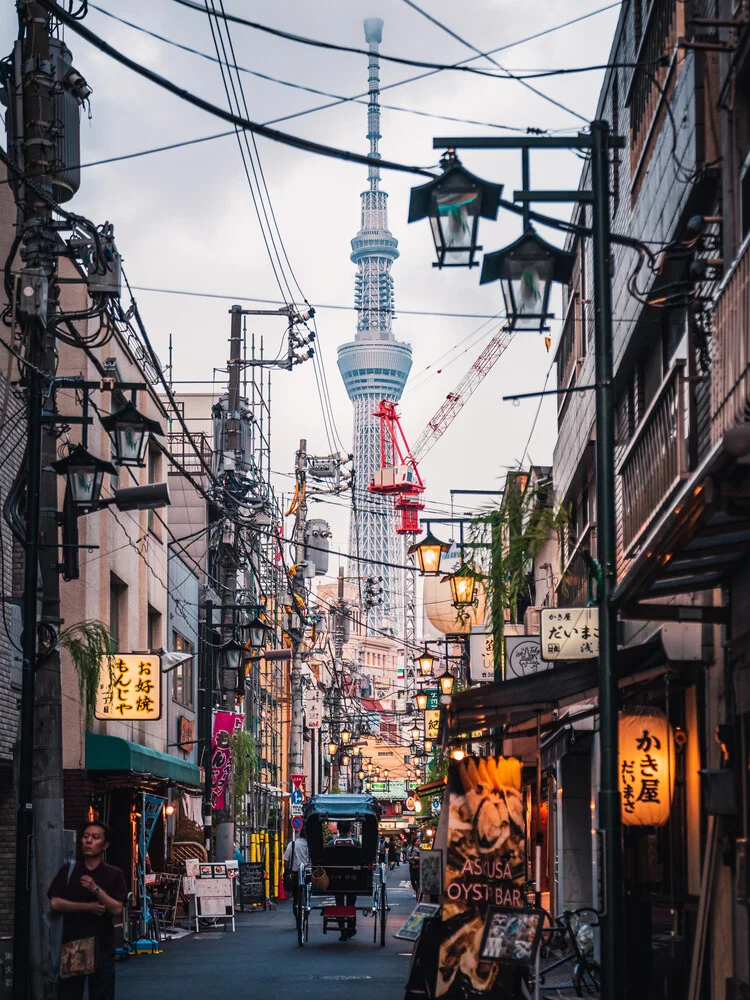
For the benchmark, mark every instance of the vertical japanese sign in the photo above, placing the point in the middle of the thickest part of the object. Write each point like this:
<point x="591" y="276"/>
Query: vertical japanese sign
<point x="432" y="723"/>
<point x="314" y="709"/>
<point x="481" y="656"/>
<point x="221" y="756"/>
<point x="647" y="766"/>
<point x="569" y="633"/>
<point x="485" y="866"/>
<point x="129" y="687"/>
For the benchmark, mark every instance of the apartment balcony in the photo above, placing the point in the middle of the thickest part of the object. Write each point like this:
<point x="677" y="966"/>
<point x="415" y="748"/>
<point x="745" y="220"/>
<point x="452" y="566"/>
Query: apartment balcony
<point x="656" y="459"/>
<point x="574" y="590"/>
<point x="730" y="363"/>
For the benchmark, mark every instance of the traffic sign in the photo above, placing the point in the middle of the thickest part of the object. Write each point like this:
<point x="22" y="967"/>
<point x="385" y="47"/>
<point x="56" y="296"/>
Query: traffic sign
<point x="297" y="822"/>
<point x="297" y="780"/>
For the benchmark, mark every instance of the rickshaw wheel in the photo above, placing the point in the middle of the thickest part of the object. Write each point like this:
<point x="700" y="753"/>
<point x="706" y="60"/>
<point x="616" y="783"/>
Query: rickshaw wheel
<point x="300" y="915"/>
<point x="383" y="914"/>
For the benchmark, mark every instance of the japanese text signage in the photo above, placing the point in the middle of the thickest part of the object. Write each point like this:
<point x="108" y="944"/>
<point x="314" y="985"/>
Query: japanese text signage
<point x="314" y="709"/>
<point x="523" y="656"/>
<point x="129" y="687"/>
<point x="646" y="765"/>
<point x="221" y="758"/>
<point x="569" y="633"/>
<point x="481" y="656"/>
<point x="432" y="724"/>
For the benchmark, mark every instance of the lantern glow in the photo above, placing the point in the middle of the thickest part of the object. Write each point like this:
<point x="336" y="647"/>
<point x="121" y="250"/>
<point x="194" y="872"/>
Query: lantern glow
<point x="429" y="552"/>
<point x="646" y="767"/>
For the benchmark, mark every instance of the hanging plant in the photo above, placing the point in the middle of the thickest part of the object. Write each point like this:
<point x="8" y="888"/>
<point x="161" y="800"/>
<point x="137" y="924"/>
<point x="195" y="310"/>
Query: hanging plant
<point x="244" y="761"/>
<point x="513" y="535"/>
<point x="86" y="643"/>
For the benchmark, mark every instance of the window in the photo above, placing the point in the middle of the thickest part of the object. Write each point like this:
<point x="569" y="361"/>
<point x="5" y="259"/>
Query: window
<point x="182" y="676"/>
<point x="155" y="640"/>
<point x="118" y="611"/>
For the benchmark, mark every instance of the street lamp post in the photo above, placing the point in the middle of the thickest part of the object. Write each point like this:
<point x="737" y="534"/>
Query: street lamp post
<point x="597" y="143"/>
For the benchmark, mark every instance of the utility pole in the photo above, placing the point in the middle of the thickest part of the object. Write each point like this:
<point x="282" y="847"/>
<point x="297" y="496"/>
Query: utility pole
<point x="205" y="727"/>
<point x="297" y="584"/>
<point x="228" y="577"/>
<point x="39" y="824"/>
<point x="338" y="671"/>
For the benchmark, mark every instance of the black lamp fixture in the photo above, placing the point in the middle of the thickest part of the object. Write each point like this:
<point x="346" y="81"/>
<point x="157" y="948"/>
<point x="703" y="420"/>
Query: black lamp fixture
<point x="446" y="683"/>
<point x="454" y="203"/>
<point x="429" y="552"/>
<point x="526" y="270"/>
<point x="368" y="786"/>
<point x="361" y="775"/>
<point x="346" y="735"/>
<point x="421" y="699"/>
<point x="428" y="746"/>
<point x="130" y="430"/>
<point x="230" y="657"/>
<point x="426" y="661"/>
<point x="345" y="760"/>
<point x="259" y="631"/>
<point x="463" y="585"/>
<point x="415" y="733"/>
<point x="333" y="748"/>
<point x="85" y="473"/>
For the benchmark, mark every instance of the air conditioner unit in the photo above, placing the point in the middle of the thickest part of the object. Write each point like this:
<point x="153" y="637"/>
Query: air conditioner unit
<point x="532" y="621"/>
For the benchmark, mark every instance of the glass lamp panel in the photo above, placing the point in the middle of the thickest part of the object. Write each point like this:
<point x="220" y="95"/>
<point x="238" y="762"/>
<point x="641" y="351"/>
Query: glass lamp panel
<point x="85" y="485"/>
<point x="429" y="558"/>
<point x="131" y="444"/>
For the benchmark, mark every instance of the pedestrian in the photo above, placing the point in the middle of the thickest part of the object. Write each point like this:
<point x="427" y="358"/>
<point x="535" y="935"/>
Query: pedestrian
<point x="345" y="838"/>
<point x="412" y="858"/>
<point x="90" y="895"/>
<point x="392" y="856"/>
<point x="296" y="856"/>
<point x="382" y="851"/>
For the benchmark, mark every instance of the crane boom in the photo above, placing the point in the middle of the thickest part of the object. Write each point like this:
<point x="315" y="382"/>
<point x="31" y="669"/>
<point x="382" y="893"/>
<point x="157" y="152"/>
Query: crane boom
<point x="454" y="401"/>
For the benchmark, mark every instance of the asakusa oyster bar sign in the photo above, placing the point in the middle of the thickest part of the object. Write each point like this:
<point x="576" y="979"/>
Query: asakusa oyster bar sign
<point x="485" y="863"/>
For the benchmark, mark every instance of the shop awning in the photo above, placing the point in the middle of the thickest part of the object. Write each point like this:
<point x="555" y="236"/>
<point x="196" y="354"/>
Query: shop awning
<point x="700" y="538"/>
<point x="112" y="753"/>
<point x="509" y="703"/>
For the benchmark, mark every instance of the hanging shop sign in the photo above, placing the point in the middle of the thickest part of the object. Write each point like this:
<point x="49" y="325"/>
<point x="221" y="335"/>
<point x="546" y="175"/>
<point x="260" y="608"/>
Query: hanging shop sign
<point x="221" y="756"/>
<point x="569" y="633"/>
<point x="523" y="656"/>
<point x="432" y="723"/>
<point x="481" y="656"/>
<point x="129" y="687"/>
<point x="433" y="698"/>
<point x="485" y="867"/>
<point x="647" y="766"/>
<point x="185" y="733"/>
<point x="314" y="709"/>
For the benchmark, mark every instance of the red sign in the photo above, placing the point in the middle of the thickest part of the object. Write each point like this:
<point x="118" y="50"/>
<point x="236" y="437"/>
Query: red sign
<point x="297" y="780"/>
<point x="221" y="756"/>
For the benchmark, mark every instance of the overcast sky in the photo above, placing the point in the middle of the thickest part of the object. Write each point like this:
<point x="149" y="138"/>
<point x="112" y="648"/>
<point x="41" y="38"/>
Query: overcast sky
<point x="184" y="219"/>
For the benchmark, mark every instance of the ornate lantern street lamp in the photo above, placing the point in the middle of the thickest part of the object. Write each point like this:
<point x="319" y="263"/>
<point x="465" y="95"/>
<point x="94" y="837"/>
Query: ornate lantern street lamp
<point x="526" y="270"/>
<point x="426" y="661"/>
<point x="130" y="430"/>
<point x="333" y="748"/>
<point x="454" y="203"/>
<point x="429" y="551"/>
<point x="463" y="585"/>
<point x="230" y="657"/>
<point x="85" y="473"/>
<point x="421" y="699"/>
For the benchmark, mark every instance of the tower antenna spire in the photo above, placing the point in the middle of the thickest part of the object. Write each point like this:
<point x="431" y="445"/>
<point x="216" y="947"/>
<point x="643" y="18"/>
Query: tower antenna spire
<point x="373" y="37"/>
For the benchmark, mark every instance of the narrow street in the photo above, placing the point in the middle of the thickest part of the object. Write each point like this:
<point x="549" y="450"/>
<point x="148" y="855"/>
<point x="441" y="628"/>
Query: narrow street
<point x="262" y="959"/>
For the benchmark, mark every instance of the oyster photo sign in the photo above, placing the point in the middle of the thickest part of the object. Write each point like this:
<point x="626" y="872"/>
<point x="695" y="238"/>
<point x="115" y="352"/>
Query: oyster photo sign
<point x="485" y="863"/>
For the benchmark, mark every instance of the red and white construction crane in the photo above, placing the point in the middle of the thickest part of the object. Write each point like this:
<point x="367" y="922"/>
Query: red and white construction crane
<point x="399" y="475"/>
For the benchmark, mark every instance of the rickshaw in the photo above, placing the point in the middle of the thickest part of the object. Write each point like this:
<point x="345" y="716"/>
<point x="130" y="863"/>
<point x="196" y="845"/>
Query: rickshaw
<point x="348" y="870"/>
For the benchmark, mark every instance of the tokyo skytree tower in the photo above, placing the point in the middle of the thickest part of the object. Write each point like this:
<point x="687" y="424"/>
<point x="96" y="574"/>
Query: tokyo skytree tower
<point x="374" y="366"/>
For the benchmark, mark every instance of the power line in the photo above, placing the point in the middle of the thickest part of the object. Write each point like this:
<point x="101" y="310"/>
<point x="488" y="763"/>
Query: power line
<point x="278" y="302"/>
<point x="269" y="133"/>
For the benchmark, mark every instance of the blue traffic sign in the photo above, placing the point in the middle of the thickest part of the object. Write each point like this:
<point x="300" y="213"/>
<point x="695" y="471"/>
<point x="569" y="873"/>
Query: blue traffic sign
<point x="297" y="822"/>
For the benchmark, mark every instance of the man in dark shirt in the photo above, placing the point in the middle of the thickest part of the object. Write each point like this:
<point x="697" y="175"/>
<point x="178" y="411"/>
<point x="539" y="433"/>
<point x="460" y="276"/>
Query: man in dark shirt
<point x="88" y="895"/>
<point x="345" y="838"/>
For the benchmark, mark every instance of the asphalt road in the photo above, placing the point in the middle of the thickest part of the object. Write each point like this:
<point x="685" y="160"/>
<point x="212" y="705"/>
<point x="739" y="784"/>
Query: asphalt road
<point x="261" y="959"/>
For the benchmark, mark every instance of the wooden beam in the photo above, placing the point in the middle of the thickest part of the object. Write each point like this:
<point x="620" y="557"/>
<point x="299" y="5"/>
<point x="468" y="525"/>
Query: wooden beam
<point x="645" y="612"/>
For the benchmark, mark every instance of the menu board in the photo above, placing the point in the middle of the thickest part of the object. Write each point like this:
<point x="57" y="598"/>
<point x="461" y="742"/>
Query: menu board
<point x="485" y="863"/>
<point x="252" y="882"/>
<point x="511" y="935"/>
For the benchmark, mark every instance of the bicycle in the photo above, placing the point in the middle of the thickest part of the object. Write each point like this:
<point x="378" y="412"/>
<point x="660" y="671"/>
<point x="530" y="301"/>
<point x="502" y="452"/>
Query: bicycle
<point x="575" y="927"/>
<point x="303" y="902"/>
<point x="380" y="905"/>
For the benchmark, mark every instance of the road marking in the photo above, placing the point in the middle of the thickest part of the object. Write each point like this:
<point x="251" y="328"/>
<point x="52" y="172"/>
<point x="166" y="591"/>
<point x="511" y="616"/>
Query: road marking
<point x="340" y="978"/>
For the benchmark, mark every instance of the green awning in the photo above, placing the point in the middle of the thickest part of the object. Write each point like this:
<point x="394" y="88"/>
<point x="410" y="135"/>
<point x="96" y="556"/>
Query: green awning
<point x="112" y="753"/>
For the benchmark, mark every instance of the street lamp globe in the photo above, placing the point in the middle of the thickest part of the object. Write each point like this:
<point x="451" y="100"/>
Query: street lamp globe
<point x="230" y="654"/>
<point x="426" y="661"/>
<point x="258" y="633"/>
<point x="526" y="270"/>
<point x="346" y="735"/>
<point x="85" y="473"/>
<point x="421" y="699"/>
<point x="345" y="760"/>
<point x="361" y="775"/>
<point x="446" y="683"/>
<point x="429" y="552"/>
<point x="463" y="586"/>
<point x="130" y="430"/>
<point x="333" y="748"/>
<point x="415" y="731"/>
<point x="454" y="203"/>
<point x="428" y="744"/>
